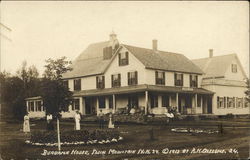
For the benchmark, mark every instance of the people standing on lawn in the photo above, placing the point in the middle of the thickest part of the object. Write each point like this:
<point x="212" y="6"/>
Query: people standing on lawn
<point x="111" y="124"/>
<point x="101" y="119"/>
<point x="77" y="121"/>
<point x="49" y="119"/>
<point x="26" y="124"/>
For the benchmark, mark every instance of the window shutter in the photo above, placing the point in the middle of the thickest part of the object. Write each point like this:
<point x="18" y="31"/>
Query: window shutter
<point x="103" y="81"/>
<point x="156" y="77"/>
<point x="196" y="81"/>
<point x="175" y="78"/>
<point x="112" y="80"/>
<point x="136" y="77"/>
<point x="129" y="82"/>
<point x="119" y="78"/>
<point x="119" y="59"/>
<point x="97" y="82"/>
<point x="127" y="57"/>
<point x="190" y="80"/>
<point x="163" y="78"/>
<point x="181" y="79"/>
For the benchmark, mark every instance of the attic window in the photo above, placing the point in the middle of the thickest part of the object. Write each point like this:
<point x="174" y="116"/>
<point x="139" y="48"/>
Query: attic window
<point x="234" y="68"/>
<point x="123" y="58"/>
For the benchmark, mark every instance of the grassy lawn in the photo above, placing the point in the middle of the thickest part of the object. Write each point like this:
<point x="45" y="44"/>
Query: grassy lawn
<point x="136" y="137"/>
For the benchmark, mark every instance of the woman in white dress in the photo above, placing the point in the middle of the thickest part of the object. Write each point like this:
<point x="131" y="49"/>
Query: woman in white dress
<point x="77" y="120"/>
<point x="26" y="124"/>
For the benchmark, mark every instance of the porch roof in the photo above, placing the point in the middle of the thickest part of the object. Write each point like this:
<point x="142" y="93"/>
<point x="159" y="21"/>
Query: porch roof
<point x="141" y="88"/>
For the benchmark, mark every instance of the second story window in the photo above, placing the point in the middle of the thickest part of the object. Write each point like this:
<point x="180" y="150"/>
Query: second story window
<point x="116" y="80"/>
<point x="77" y="84"/>
<point x="159" y="77"/>
<point x="123" y="58"/>
<point x="132" y="78"/>
<point x="234" y="68"/>
<point x="193" y="79"/>
<point x="66" y="83"/>
<point x="178" y="79"/>
<point x="100" y="82"/>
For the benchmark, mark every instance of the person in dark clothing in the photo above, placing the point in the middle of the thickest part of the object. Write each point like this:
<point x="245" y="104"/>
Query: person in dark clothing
<point x="101" y="119"/>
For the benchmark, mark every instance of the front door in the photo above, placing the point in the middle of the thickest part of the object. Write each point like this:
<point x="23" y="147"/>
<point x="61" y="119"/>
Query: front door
<point x="89" y="105"/>
<point x="209" y="105"/>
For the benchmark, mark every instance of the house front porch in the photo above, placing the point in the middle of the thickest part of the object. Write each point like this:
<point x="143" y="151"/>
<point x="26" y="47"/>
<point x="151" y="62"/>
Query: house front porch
<point x="149" y="99"/>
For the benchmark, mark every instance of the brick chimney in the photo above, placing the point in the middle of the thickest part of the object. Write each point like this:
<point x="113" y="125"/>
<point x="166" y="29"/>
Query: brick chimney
<point x="211" y="53"/>
<point x="154" y="44"/>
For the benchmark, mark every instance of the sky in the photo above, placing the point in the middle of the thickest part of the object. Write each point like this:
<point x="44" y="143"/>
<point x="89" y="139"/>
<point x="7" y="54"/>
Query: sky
<point x="52" y="29"/>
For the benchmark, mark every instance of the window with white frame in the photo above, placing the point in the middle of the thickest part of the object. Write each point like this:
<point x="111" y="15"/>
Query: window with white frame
<point x="76" y="104"/>
<point x="160" y="77"/>
<point x="220" y="102"/>
<point x="178" y="79"/>
<point x="100" y="82"/>
<point x="234" y="68"/>
<point x="230" y="102"/>
<point x="35" y="106"/>
<point x="116" y="80"/>
<point x="193" y="80"/>
<point x="132" y="78"/>
<point x="77" y="84"/>
<point x="154" y="101"/>
<point x="246" y="103"/>
<point x="123" y="58"/>
<point x="239" y="102"/>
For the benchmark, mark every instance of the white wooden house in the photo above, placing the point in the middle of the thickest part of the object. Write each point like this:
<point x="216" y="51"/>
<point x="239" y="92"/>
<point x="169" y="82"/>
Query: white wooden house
<point x="225" y="76"/>
<point x="109" y="76"/>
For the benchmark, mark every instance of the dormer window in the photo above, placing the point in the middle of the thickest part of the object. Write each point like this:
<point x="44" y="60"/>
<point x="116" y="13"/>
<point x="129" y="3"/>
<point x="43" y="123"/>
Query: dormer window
<point x="178" y="79"/>
<point x="193" y="80"/>
<point x="132" y="78"/>
<point x="123" y="58"/>
<point x="100" y="82"/>
<point x="159" y="77"/>
<point x="116" y="80"/>
<point x="234" y="68"/>
<point x="77" y="84"/>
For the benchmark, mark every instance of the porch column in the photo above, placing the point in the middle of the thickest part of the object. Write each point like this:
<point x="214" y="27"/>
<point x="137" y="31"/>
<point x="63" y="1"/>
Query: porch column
<point x="81" y="105"/>
<point x="201" y="104"/>
<point x="27" y="106"/>
<point x="42" y="106"/>
<point x="106" y="103"/>
<point x="146" y="102"/>
<point x="35" y="106"/>
<point x="159" y="101"/>
<point x="196" y="103"/>
<point x="97" y="105"/>
<point x="114" y="106"/>
<point x="235" y="103"/>
<point x="169" y="100"/>
<point x="177" y="101"/>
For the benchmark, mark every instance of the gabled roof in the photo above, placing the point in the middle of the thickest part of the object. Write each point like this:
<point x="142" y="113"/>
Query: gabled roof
<point x="215" y="66"/>
<point x="164" y="60"/>
<point x="90" y="61"/>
